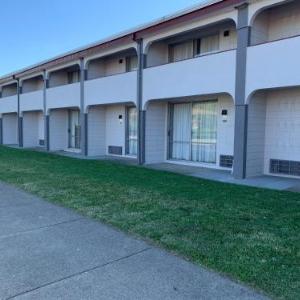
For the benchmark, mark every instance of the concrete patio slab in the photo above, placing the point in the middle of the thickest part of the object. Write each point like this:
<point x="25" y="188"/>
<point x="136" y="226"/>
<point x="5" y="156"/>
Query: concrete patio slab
<point x="62" y="255"/>
<point x="268" y="182"/>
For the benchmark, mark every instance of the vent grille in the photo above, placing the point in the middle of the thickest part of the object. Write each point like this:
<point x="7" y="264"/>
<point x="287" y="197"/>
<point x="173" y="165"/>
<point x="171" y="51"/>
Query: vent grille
<point x="286" y="167"/>
<point x="42" y="142"/>
<point x="226" y="161"/>
<point x="116" y="150"/>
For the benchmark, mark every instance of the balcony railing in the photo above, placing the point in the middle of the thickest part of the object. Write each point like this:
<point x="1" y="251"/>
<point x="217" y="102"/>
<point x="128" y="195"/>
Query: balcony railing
<point x="64" y="96"/>
<point x="273" y="65"/>
<point x="9" y="104"/>
<point x="209" y="74"/>
<point x="32" y="101"/>
<point x="111" y="89"/>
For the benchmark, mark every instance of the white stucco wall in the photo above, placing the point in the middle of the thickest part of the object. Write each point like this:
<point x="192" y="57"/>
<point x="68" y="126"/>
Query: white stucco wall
<point x="112" y="89"/>
<point x="32" y="85"/>
<point x="96" y="131"/>
<point x="273" y="65"/>
<point x="10" y="129"/>
<point x="58" y="130"/>
<point x="156" y="133"/>
<point x="256" y="135"/>
<point x="8" y="104"/>
<point x="225" y="135"/>
<point x="276" y="22"/>
<point x="282" y="126"/>
<point x="114" y="130"/>
<point x="9" y="90"/>
<point x="33" y="128"/>
<point x="64" y="96"/>
<point x="31" y="101"/>
<point x="198" y="76"/>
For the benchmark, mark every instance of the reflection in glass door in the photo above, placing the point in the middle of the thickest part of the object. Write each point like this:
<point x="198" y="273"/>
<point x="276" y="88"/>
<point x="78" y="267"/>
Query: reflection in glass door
<point x="194" y="134"/>
<point x="74" y="129"/>
<point x="132" y="131"/>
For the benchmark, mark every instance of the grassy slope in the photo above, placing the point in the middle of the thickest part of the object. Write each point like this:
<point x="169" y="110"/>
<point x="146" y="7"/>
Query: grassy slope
<point x="250" y="234"/>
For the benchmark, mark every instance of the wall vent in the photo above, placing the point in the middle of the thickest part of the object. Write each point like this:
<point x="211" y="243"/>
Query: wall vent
<point x="42" y="142"/>
<point x="285" y="167"/>
<point x="116" y="150"/>
<point x="226" y="161"/>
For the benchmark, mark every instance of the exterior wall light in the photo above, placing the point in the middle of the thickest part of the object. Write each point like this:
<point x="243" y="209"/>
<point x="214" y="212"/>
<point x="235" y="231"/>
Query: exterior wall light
<point x="121" y="119"/>
<point x="224" y="115"/>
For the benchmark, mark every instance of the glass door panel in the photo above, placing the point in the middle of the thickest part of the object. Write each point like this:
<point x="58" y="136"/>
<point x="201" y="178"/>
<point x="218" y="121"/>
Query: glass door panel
<point x="204" y="132"/>
<point x="74" y="129"/>
<point x="194" y="133"/>
<point x="181" y="132"/>
<point x="132" y="131"/>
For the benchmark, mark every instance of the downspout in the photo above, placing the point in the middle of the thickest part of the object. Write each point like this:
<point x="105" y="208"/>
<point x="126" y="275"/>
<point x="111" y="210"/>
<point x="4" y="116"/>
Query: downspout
<point x="20" y="119"/>
<point x="141" y="112"/>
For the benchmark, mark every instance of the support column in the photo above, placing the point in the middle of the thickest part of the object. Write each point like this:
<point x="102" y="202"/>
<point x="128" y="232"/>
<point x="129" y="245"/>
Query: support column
<point x="241" y="108"/>
<point x="1" y="131"/>
<point x="46" y="116"/>
<point x="83" y="116"/>
<point x="141" y="112"/>
<point x="20" y="117"/>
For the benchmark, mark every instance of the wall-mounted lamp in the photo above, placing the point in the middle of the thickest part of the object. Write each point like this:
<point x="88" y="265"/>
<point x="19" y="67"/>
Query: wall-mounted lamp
<point x="224" y="115"/>
<point x="121" y="119"/>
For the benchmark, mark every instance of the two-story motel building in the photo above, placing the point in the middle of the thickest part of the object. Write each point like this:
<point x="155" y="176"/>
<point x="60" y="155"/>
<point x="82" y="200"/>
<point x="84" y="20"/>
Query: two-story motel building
<point x="217" y="86"/>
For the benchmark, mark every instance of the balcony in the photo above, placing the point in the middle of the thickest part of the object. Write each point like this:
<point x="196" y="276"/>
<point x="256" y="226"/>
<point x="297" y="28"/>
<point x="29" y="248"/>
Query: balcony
<point x="208" y="74"/>
<point x="9" y="104"/>
<point x="32" y="101"/>
<point x="273" y="65"/>
<point x="64" y="96"/>
<point x="111" y="89"/>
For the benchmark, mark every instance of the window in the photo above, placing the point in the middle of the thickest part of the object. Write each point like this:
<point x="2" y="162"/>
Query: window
<point x="131" y="63"/>
<point x="181" y="51"/>
<point x="208" y="44"/>
<point x="73" y="77"/>
<point x="194" y="133"/>
<point x="131" y="131"/>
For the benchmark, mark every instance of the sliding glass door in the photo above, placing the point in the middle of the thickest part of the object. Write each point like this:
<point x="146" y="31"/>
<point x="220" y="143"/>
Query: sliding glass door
<point x="194" y="132"/>
<point x="132" y="131"/>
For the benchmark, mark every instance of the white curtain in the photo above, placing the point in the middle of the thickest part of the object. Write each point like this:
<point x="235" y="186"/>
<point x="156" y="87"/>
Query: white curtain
<point x="181" y="131"/>
<point x="182" y="51"/>
<point x="209" y="44"/>
<point x="132" y="131"/>
<point x="204" y="132"/>
<point x="133" y="63"/>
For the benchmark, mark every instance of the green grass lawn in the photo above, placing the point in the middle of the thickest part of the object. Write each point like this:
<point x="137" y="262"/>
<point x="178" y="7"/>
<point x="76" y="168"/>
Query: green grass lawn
<point x="250" y="234"/>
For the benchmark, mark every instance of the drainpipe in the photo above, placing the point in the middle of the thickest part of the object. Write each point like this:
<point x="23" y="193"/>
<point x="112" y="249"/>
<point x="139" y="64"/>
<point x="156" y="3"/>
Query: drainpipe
<point x="83" y="114"/>
<point x="20" y="118"/>
<point x="46" y="115"/>
<point x="141" y="112"/>
<point x="241" y="107"/>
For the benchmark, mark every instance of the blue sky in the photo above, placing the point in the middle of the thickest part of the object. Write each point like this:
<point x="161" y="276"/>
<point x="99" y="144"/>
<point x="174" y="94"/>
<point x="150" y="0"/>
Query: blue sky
<point x="34" y="30"/>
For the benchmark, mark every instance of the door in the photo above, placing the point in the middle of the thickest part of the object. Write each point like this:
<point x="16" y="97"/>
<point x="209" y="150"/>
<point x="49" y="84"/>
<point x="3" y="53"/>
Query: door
<point x="194" y="132"/>
<point x="74" y="129"/>
<point x="132" y="131"/>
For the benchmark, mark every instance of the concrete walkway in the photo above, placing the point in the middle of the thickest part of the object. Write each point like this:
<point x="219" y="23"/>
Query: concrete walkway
<point x="268" y="182"/>
<point x="49" y="252"/>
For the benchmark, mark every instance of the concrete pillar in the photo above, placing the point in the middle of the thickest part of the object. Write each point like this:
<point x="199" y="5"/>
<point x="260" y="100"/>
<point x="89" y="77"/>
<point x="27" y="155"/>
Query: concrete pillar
<point x="241" y="108"/>
<point x="46" y="116"/>
<point x="141" y="112"/>
<point x="1" y="131"/>
<point x="83" y="116"/>
<point x="20" y="117"/>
